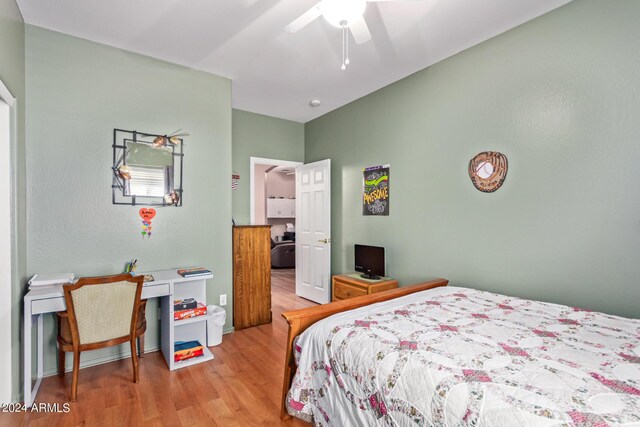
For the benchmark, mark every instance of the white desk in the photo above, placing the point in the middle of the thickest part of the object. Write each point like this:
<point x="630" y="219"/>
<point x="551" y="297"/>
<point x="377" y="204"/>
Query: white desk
<point x="50" y="299"/>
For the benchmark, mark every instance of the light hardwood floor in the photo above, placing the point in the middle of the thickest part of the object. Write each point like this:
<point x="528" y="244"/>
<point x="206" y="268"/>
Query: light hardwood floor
<point x="240" y="387"/>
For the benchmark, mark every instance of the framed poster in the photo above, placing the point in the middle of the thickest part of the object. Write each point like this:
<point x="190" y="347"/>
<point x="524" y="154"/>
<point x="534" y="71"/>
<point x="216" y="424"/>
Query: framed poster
<point x="375" y="198"/>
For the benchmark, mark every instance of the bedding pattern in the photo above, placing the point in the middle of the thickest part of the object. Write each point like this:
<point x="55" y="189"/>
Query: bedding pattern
<point x="461" y="357"/>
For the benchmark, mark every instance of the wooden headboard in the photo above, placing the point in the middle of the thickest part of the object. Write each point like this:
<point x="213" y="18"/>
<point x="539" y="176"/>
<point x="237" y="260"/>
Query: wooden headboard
<point x="300" y="320"/>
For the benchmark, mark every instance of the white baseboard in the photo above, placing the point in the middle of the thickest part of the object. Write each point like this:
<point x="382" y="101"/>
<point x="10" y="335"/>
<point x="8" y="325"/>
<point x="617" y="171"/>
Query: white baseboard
<point x="111" y="358"/>
<point x="97" y="361"/>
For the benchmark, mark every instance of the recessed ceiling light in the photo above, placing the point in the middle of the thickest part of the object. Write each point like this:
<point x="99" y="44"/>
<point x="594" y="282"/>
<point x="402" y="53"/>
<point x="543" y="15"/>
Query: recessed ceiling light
<point x="314" y="103"/>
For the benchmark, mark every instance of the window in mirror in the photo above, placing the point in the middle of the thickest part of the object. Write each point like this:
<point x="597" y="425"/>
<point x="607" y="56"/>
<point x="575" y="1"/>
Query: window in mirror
<point x="147" y="182"/>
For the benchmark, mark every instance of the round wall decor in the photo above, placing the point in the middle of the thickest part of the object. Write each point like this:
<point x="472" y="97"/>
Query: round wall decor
<point x="488" y="171"/>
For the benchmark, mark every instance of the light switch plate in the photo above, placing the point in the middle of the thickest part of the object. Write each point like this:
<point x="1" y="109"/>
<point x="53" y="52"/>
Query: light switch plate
<point x="223" y="299"/>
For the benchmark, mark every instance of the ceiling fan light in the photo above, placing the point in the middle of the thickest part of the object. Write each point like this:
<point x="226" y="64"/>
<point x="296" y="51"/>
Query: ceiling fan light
<point x="342" y="13"/>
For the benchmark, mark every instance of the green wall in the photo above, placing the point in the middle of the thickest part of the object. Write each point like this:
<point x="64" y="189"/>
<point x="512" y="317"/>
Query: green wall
<point x="78" y="92"/>
<point x="12" y="63"/>
<point x="560" y="97"/>
<point x="255" y="135"/>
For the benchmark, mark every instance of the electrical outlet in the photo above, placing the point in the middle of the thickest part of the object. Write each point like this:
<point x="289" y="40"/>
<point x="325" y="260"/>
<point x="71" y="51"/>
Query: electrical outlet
<point x="223" y="299"/>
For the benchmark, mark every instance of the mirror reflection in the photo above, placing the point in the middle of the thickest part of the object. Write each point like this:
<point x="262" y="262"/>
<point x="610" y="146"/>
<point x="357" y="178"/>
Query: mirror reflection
<point x="151" y="170"/>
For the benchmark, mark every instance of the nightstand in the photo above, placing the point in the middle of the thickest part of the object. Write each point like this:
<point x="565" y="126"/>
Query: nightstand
<point x="345" y="286"/>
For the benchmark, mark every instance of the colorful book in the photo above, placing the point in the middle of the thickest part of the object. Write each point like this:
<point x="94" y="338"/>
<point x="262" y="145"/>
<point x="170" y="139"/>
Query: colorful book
<point x="191" y="272"/>
<point x="184" y="350"/>
<point x="200" y="310"/>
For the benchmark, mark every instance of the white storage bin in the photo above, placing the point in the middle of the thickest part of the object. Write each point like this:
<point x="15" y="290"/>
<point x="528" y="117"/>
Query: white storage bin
<point x="215" y="324"/>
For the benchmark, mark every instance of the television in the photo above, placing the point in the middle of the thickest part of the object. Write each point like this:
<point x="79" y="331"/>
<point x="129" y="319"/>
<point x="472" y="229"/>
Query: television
<point x="369" y="261"/>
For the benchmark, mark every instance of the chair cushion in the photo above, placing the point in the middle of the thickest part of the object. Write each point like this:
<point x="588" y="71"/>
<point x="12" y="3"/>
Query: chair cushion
<point x="64" y="329"/>
<point x="103" y="312"/>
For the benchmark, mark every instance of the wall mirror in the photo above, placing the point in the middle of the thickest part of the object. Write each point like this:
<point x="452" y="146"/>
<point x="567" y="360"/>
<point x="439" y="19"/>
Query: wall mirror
<point x="147" y="169"/>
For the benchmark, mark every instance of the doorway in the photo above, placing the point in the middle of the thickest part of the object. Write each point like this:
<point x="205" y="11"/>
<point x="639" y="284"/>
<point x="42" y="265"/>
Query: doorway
<point x="272" y="194"/>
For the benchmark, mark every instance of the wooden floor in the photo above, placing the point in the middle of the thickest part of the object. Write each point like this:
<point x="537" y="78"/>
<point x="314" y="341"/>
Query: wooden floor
<point x="240" y="387"/>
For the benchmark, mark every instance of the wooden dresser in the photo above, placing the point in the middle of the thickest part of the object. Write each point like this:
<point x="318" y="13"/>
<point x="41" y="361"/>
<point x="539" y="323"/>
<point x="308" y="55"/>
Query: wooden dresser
<point x="346" y="286"/>
<point x="251" y="275"/>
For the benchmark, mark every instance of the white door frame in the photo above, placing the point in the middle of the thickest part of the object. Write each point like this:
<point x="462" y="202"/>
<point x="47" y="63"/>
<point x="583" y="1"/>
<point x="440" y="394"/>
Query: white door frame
<point x="253" y="161"/>
<point x="7" y="267"/>
<point x="5" y="95"/>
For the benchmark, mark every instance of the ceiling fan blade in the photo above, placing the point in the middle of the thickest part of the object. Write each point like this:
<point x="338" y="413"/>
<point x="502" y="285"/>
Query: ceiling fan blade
<point x="360" y="31"/>
<point x="304" y="20"/>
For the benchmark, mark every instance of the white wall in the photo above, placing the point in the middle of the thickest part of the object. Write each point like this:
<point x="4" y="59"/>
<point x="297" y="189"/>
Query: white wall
<point x="260" y="205"/>
<point x="5" y="252"/>
<point x="281" y="185"/>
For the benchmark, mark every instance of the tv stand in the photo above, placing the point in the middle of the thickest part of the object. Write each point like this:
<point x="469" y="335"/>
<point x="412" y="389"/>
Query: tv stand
<point x="370" y="276"/>
<point x="347" y="286"/>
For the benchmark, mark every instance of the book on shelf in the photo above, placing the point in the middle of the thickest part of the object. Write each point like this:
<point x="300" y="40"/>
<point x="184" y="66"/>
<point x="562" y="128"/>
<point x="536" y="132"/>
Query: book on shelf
<point x="199" y="310"/>
<point x="184" y="350"/>
<point x="184" y="304"/>
<point x="192" y="272"/>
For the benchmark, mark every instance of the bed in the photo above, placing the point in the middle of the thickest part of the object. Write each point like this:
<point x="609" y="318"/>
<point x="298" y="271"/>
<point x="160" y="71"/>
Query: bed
<point x="440" y="355"/>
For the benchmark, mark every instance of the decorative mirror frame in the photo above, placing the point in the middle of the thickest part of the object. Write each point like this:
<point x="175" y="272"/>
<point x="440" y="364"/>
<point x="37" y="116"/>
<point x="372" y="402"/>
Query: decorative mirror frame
<point x="120" y="139"/>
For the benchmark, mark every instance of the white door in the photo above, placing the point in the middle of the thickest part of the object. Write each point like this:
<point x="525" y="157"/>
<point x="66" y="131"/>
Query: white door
<point x="313" y="231"/>
<point x="5" y="253"/>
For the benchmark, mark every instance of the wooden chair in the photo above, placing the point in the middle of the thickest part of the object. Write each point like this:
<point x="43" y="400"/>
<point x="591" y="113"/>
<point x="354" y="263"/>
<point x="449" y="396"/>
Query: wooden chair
<point x="64" y="335"/>
<point x="101" y="312"/>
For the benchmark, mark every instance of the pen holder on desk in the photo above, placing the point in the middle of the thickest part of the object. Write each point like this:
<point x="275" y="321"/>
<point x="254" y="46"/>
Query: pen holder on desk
<point x="130" y="266"/>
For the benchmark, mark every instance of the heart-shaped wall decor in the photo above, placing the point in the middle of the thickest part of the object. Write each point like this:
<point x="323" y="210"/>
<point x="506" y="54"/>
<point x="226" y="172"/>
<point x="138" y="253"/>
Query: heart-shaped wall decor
<point x="147" y="214"/>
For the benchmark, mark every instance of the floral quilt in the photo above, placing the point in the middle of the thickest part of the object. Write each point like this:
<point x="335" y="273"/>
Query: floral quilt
<point x="461" y="357"/>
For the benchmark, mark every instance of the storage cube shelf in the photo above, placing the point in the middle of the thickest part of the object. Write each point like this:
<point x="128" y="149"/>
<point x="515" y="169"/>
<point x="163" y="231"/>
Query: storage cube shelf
<point x="190" y="329"/>
<point x="193" y="361"/>
<point x="191" y="320"/>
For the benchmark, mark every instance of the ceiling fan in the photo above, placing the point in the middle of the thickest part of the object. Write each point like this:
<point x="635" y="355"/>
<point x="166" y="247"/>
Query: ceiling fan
<point x="344" y="14"/>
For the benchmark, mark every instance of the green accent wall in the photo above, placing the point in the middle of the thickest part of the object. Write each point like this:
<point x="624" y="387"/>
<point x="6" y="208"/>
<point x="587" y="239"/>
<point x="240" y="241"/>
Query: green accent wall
<point x="256" y="135"/>
<point x="12" y="73"/>
<point x="559" y="96"/>
<point x="78" y="92"/>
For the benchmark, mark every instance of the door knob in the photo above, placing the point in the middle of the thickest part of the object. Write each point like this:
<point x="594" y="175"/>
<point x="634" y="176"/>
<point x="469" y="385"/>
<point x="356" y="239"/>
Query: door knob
<point x="325" y="241"/>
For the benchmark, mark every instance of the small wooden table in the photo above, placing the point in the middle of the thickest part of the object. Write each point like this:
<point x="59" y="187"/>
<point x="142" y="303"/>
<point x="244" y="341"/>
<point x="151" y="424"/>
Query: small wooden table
<point x="345" y="286"/>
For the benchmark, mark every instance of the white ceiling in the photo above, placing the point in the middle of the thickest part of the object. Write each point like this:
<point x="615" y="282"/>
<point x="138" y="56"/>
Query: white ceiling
<point x="277" y="73"/>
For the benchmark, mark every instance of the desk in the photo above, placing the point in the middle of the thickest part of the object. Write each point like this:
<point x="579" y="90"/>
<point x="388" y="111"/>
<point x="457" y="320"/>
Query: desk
<point x="50" y="299"/>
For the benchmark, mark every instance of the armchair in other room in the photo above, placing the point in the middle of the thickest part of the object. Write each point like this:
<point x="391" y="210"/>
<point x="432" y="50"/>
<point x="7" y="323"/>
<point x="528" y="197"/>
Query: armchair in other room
<point x="283" y="254"/>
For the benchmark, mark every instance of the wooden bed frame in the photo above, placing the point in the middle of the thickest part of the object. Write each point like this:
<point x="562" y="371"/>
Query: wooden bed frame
<point x="299" y="320"/>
